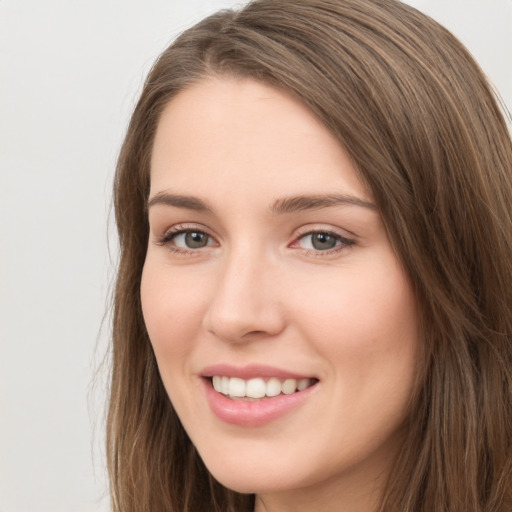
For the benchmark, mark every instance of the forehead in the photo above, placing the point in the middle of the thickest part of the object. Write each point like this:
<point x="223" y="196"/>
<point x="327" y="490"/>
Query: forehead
<point x="225" y="135"/>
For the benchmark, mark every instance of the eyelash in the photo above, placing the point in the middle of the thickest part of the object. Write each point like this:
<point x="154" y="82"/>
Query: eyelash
<point x="342" y="242"/>
<point x="167" y="238"/>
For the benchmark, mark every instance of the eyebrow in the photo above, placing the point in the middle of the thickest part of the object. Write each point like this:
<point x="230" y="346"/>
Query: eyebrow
<point x="179" y="201"/>
<point x="280" y="206"/>
<point x="314" y="202"/>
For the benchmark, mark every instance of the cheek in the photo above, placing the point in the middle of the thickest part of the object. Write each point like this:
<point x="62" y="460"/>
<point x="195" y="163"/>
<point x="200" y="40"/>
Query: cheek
<point x="172" y="310"/>
<point x="364" y="323"/>
<point x="366" y="329"/>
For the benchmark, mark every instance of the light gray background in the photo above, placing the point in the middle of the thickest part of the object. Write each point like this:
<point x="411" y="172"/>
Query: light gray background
<point x="70" y="72"/>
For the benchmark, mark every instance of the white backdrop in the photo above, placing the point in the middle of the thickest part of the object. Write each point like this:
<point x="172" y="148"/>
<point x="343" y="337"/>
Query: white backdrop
<point x="70" y="72"/>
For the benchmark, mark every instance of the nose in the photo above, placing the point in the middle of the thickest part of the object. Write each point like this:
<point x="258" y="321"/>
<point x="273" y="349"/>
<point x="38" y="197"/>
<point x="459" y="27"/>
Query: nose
<point x="245" y="303"/>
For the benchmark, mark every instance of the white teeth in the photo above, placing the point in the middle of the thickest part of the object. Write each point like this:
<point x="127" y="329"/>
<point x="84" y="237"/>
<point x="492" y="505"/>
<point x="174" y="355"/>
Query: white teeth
<point x="289" y="386"/>
<point x="273" y="387"/>
<point x="236" y="387"/>
<point x="257" y="387"/>
<point x="224" y="385"/>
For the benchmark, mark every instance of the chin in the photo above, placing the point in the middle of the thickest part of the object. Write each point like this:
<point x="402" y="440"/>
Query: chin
<point x="253" y="479"/>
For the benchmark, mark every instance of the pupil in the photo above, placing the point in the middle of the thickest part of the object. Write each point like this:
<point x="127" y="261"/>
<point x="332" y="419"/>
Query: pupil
<point x="323" y="241"/>
<point x="195" y="240"/>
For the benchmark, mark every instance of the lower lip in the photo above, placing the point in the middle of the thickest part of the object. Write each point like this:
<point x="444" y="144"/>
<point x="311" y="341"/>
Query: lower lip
<point x="253" y="414"/>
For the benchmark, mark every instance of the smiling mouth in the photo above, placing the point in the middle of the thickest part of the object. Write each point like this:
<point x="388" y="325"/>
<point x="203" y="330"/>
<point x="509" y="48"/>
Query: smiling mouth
<point x="258" y="388"/>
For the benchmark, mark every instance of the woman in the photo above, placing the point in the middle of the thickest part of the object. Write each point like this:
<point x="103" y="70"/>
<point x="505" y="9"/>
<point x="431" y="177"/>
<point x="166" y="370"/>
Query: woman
<point x="313" y="304"/>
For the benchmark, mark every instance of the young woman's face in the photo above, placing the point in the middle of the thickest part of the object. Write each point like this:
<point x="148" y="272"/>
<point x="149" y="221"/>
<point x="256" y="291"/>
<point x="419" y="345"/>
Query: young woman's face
<point x="283" y="325"/>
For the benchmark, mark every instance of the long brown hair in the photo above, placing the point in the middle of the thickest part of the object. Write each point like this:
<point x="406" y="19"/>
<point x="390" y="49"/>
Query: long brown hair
<point x="416" y="115"/>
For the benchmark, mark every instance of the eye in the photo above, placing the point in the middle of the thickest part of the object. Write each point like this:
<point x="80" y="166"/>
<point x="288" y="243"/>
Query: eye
<point x="319" y="241"/>
<point x="322" y="241"/>
<point x="191" y="239"/>
<point x="185" y="240"/>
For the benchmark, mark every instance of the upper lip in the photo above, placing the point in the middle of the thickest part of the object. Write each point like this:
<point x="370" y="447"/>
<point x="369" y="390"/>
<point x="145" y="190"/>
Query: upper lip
<point x="250" y="371"/>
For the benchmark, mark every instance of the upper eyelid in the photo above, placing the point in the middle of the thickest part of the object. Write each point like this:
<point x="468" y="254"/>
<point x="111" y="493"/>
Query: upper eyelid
<point x="184" y="227"/>
<point x="319" y="228"/>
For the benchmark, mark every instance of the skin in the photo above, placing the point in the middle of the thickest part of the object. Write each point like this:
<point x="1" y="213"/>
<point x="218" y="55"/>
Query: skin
<point x="260" y="292"/>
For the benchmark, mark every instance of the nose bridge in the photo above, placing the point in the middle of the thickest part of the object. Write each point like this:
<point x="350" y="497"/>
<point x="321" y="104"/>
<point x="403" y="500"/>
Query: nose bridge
<point x="245" y="301"/>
